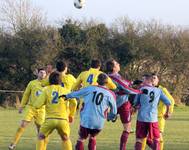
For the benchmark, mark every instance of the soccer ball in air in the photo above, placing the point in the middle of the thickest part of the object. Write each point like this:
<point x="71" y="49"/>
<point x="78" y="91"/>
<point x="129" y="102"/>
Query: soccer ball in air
<point x="79" y="3"/>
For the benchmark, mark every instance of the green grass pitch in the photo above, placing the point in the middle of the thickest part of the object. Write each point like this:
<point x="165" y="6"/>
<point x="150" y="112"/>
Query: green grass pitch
<point x="176" y="133"/>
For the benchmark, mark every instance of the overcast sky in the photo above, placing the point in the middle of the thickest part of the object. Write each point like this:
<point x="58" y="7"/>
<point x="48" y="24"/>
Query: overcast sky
<point x="175" y="12"/>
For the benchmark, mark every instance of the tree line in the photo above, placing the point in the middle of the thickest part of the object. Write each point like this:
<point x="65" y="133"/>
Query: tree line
<point x="140" y="47"/>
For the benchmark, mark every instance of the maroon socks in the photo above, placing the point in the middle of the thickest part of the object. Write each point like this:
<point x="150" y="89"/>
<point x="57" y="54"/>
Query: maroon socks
<point x="123" y="140"/>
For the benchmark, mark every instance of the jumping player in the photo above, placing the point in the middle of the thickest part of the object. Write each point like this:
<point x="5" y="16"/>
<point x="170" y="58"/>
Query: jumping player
<point x="122" y="94"/>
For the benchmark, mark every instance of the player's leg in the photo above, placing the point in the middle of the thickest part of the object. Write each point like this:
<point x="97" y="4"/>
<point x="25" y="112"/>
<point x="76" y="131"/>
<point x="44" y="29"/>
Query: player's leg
<point x="144" y="143"/>
<point x="138" y="144"/>
<point x="28" y="116"/>
<point x="161" y="141"/>
<point x="46" y="129"/>
<point x="63" y="129"/>
<point x="39" y="119"/>
<point x="161" y="123"/>
<point x="83" y="134"/>
<point x="18" y="134"/>
<point x="125" y="116"/>
<point x="141" y="133"/>
<point x="150" y="142"/>
<point x="92" y="139"/>
<point x="154" y="134"/>
<point x="125" y="135"/>
<point x="40" y="142"/>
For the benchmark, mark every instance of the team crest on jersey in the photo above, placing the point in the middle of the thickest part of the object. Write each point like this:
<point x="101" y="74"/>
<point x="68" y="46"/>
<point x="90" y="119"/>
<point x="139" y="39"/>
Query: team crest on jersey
<point x="38" y="93"/>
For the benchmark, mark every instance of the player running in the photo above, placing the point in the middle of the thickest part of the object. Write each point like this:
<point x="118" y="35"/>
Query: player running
<point x="32" y="92"/>
<point x="122" y="94"/>
<point x="147" y="121"/>
<point x="56" y="113"/>
<point x="97" y="101"/>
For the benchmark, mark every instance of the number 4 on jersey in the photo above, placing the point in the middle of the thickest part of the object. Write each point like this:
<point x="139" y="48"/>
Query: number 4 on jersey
<point x="90" y="79"/>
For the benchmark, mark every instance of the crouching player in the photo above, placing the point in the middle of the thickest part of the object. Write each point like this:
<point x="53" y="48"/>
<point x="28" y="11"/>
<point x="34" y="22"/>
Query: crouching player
<point x="97" y="101"/>
<point x="56" y="113"/>
<point x="32" y="92"/>
<point x="147" y="118"/>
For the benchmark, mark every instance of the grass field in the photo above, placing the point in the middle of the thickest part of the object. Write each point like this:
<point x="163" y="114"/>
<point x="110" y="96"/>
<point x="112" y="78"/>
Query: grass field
<point x="176" y="138"/>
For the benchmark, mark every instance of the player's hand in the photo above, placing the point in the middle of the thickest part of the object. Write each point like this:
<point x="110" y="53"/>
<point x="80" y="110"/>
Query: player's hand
<point x="115" y="118"/>
<point x="112" y="119"/>
<point x="133" y="110"/>
<point x="20" y="110"/>
<point x="71" y="119"/>
<point x="166" y="116"/>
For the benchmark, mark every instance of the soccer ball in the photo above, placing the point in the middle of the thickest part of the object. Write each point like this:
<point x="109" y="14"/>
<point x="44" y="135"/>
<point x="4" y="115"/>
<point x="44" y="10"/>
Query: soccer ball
<point x="79" y="3"/>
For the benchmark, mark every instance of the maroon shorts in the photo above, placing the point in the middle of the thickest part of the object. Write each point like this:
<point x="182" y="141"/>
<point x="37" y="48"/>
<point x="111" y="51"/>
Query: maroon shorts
<point x="85" y="132"/>
<point x="125" y="112"/>
<point x="150" y="129"/>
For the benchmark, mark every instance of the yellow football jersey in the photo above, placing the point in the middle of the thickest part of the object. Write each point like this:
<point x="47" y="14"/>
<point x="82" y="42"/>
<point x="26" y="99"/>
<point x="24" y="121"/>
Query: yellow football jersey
<point x="89" y="77"/>
<point x="162" y="106"/>
<point x="68" y="81"/>
<point x="32" y="92"/>
<point x="55" y="107"/>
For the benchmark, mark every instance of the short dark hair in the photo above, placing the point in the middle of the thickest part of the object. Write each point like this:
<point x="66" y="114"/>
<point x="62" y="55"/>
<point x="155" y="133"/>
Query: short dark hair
<point x="110" y="65"/>
<point x="54" y="78"/>
<point x="137" y="82"/>
<point x="154" y="74"/>
<point x="61" y="65"/>
<point x="102" y="79"/>
<point x="95" y="63"/>
<point x="147" y="76"/>
<point x="39" y="69"/>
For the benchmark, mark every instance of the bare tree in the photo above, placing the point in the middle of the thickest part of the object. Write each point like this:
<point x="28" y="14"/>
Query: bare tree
<point x="17" y="14"/>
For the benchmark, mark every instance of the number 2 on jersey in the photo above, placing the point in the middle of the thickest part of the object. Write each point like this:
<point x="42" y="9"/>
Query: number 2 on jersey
<point x="55" y="97"/>
<point x="90" y="79"/>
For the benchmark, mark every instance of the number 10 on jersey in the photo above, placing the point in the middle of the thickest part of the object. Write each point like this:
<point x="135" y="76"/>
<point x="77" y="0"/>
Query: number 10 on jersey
<point x="97" y="97"/>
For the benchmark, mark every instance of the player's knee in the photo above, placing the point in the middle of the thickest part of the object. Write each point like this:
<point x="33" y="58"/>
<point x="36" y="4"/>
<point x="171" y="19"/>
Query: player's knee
<point x="65" y="137"/>
<point x="139" y="140"/>
<point x="157" y="139"/>
<point x="41" y="136"/>
<point x="24" y="123"/>
<point x="127" y="127"/>
<point x="92" y="137"/>
<point x="161" y="136"/>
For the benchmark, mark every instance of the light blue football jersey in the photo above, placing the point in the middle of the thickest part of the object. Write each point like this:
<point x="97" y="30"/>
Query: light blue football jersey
<point x="99" y="105"/>
<point x="148" y="103"/>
